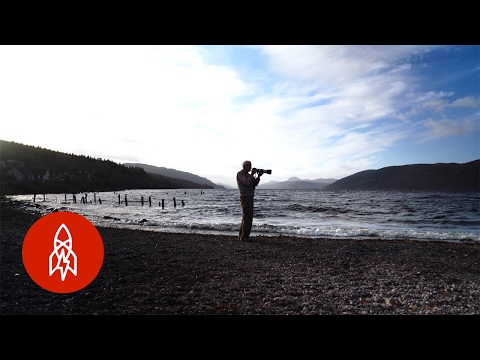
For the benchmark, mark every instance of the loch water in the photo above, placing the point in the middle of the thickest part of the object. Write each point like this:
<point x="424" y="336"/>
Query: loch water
<point x="420" y="215"/>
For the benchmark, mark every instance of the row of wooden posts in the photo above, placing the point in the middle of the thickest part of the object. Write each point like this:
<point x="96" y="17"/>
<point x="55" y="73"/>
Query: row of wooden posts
<point x="84" y="200"/>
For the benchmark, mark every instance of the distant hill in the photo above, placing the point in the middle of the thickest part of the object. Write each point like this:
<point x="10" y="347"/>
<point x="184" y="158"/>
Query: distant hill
<point x="175" y="174"/>
<point x="227" y="186"/>
<point x="440" y="176"/>
<point x="75" y="173"/>
<point x="294" y="183"/>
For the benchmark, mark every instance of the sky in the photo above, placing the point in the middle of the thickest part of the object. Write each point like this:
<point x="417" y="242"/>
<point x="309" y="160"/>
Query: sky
<point x="306" y="111"/>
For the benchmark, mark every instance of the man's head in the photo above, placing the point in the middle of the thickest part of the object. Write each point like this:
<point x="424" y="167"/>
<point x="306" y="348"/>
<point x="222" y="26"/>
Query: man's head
<point x="247" y="165"/>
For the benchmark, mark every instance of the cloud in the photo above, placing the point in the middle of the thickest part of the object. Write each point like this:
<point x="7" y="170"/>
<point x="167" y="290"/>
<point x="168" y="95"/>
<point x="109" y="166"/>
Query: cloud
<point x="437" y="105"/>
<point x="448" y="127"/>
<point x="306" y="111"/>
<point x="467" y="102"/>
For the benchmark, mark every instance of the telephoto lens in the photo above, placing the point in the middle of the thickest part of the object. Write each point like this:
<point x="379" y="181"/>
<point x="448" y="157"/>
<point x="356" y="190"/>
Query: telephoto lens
<point x="262" y="171"/>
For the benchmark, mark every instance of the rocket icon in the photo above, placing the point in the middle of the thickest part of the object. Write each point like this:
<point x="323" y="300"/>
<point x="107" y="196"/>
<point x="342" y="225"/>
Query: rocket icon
<point x="62" y="257"/>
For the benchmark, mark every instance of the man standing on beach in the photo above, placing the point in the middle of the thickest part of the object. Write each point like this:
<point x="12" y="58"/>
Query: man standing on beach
<point x="246" y="186"/>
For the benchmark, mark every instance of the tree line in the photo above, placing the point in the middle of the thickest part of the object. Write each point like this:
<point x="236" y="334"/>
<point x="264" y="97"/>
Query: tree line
<point x="77" y="173"/>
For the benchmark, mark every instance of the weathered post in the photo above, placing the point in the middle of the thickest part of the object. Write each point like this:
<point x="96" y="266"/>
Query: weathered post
<point x="163" y="203"/>
<point x="183" y="203"/>
<point x="174" y="203"/>
<point x="149" y="201"/>
<point x="119" y="202"/>
<point x="94" y="198"/>
<point x="126" y="202"/>
<point x="74" y="199"/>
<point x="65" y="198"/>
<point x="142" y="200"/>
<point x="43" y="197"/>
<point x="100" y="201"/>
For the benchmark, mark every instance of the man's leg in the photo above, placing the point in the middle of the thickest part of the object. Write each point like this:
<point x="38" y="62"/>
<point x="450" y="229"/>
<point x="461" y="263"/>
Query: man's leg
<point x="247" y="216"/>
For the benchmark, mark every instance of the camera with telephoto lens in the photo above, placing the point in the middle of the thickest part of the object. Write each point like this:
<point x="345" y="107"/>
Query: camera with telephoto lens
<point x="260" y="172"/>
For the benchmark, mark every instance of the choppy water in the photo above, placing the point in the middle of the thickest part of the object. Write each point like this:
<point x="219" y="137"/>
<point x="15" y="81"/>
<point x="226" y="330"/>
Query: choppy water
<point x="432" y="215"/>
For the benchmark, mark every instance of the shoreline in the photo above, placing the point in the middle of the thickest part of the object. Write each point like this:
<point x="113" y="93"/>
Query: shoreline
<point x="461" y="238"/>
<point x="152" y="272"/>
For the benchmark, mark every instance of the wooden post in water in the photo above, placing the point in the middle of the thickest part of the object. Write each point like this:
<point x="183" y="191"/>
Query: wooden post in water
<point x="34" y="196"/>
<point x="126" y="202"/>
<point x="174" y="203"/>
<point x="183" y="203"/>
<point x="142" y="200"/>
<point x="100" y="201"/>
<point x="74" y="199"/>
<point x="43" y="197"/>
<point x="65" y="198"/>
<point x="119" y="202"/>
<point x="163" y="203"/>
<point x="149" y="201"/>
<point x="94" y="198"/>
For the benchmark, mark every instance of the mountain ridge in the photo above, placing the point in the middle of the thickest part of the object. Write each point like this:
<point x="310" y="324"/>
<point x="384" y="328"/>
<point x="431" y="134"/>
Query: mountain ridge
<point x="70" y="173"/>
<point x="295" y="183"/>
<point x="439" y="176"/>
<point x="177" y="174"/>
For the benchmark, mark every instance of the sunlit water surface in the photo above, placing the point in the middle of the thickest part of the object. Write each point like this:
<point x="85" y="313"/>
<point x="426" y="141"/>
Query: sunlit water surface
<point x="432" y="215"/>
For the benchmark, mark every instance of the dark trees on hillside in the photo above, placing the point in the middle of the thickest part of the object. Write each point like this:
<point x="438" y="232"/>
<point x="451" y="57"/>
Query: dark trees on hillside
<point x="77" y="173"/>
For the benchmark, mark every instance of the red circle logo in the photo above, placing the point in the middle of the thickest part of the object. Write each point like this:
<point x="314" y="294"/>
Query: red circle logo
<point x="62" y="252"/>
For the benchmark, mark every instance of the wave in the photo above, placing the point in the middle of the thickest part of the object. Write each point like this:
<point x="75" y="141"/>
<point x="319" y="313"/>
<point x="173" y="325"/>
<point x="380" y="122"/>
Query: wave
<point x="314" y="232"/>
<point x="315" y="214"/>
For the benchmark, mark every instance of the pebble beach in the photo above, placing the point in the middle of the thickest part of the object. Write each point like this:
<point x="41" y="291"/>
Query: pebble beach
<point x="155" y="273"/>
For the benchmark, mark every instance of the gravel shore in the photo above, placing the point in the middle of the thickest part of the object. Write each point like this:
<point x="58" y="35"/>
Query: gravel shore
<point x="162" y="273"/>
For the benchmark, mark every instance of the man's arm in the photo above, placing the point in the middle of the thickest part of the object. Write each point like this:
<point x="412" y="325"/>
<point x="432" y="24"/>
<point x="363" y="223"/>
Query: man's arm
<point x="244" y="179"/>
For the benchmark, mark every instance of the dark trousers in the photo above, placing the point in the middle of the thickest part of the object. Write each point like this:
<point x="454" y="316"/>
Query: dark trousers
<point x="247" y="216"/>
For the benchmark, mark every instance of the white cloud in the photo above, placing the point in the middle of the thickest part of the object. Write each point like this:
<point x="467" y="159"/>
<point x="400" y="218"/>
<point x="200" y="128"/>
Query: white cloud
<point x="448" y="127"/>
<point x="467" y="102"/>
<point x="309" y="111"/>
